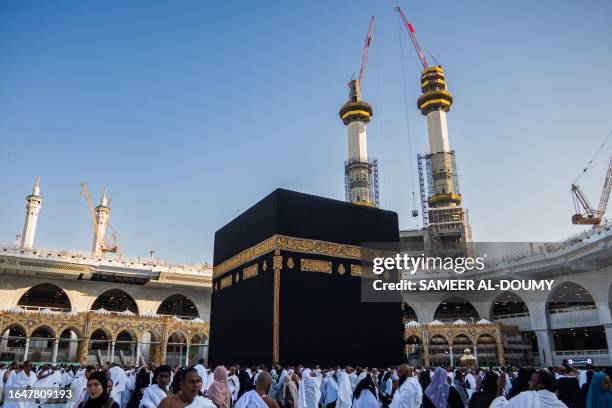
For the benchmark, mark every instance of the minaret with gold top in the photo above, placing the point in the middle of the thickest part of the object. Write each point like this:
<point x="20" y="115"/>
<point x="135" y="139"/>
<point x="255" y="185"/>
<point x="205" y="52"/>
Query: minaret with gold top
<point x="356" y="114"/>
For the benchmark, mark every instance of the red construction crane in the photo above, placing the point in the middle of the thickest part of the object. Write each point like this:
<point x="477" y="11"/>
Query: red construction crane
<point x="413" y="38"/>
<point x="585" y="214"/>
<point x="366" y="48"/>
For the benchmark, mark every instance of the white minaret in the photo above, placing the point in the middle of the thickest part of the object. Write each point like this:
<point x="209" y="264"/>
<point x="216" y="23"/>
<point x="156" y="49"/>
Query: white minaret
<point x="356" y="114"/>
<point x="102" y="216"/>
<point x="34" y="201"/>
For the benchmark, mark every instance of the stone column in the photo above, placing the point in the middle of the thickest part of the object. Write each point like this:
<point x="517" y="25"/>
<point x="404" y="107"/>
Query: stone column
<point x="26" y="351"/>
<point x="608" y="329"/>
<point x="476" y="354"/>
<point x="451" y="355"/>
<point x="187" y="355"/>
<point x="111" y="356"/>
<point x="54" y="352"/>
<point x="83" y="351"/>
<point x="108" y="351"/>
<point x="137" y="354"/>
<point x="545" y="347"/>
<point x="425" y="337"/>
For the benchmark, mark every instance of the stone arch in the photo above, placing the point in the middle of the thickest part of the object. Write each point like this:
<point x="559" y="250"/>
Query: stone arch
<point x="413" y="339"/>
<point x="69" y="341"/>
<point x="199" y="338"/>
<point x="40" y="328"/>
<point x="462" y="334"/>
<point x="45" y="295"/>
<point x="115" y="300"/>
<point x="75" y="329"/>
<point x="41" y="344"/>
<point x="176" y="348"/>
<point x="486" y="350"/>
<point x="180" y="305"/>
<point x="409" y="313"/>
<point x="453" y="308"/>
<point x="568" y="296"/>
<point x="507" y="304"/>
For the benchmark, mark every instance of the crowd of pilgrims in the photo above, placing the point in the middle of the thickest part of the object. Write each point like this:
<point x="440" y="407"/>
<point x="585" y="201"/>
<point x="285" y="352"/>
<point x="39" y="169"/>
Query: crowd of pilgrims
<point x="147" y="386"/>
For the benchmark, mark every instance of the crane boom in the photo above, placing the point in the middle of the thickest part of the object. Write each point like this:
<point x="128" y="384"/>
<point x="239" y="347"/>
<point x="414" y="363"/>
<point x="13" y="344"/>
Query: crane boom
<point x="413" y="38"/>
<point x="585" y="214"/>
<point x="366" y="48"/>
<point x="605" y="194"/>
<point x="85" y="193"/>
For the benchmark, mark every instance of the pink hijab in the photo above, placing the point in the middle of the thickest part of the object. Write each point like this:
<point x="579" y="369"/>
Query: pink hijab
<point x="218" y="391"/>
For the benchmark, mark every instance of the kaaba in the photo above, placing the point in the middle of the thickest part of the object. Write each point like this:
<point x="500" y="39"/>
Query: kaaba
<point x="286" y="286"/>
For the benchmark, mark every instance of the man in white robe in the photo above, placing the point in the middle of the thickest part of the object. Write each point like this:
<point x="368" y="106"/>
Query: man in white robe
<point x="470" y="378"/>
<point x="309" y="392"/>
<point x="119" y="382"/>
<point x="22" y="380"/>
<point x="345" y="390"/>
<point x="203" y="373"/>
<point x="78" y="388"/>
<point x="154" y="393"/>
<point x="409" y="394"/>
<point x="541" y="393"/>
<point x="233" y="383"/>
<point x="331" y="390"/>
<point x="258" y="397"/>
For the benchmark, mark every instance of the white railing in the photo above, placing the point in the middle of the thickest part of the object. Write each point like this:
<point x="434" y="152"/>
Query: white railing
<point x="581" y="352"/>
<point x="83" y="257"/>
<point x="572" y="309"/>
<point x="510" y="316"/>
<point x="550" y="247"/>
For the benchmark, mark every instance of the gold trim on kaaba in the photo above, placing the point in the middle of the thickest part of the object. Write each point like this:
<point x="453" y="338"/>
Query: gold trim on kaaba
<point x="281" y="242"/>
<point x="316" y="265"/>
<point x="276" y="318"/>
<point x="265" y="265"/>
<point x="290" y="263"/>
<point x="341" y="269"/>
<point x="250" y="271"/>
<point x="355" y="270"/>
<point x="225" y="282"/>
<point x="277" y="262"/>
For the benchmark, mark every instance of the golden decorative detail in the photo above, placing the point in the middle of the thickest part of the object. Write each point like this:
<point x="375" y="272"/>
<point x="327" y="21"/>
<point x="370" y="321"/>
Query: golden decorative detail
<point x="245" y="256"/>
<point x="290" y="263"/>
<point x="250" y="271"/>
<point x="310" y="246"/>
<point x="355" y="270"/>
<point x="171" y="276"/>
<point x="237" y="277"/>
<point x="265" y="265"/>
<point x="316" y="265"/>
<point x="225" y="282"/>
<point x="85" y="323"/>
<point x="276" y="318"/>
<point x="282" y="242"/>
<point x="341" y="269"/>
<point x="277" y="262"/>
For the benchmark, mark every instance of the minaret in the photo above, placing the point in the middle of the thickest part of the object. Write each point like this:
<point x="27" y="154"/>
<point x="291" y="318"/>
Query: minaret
<point x="34" y="202"/>
<point x="102" y="216"/>
<point x="356" y="114"/>
<point x="446" y="218"/>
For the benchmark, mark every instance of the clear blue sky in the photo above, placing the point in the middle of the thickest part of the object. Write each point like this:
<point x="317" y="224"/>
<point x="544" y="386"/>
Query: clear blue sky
<point x="191" y="111"/>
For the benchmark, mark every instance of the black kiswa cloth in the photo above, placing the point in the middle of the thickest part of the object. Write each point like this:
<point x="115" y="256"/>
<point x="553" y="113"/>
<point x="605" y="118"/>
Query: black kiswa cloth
<point x="320" y="318"/>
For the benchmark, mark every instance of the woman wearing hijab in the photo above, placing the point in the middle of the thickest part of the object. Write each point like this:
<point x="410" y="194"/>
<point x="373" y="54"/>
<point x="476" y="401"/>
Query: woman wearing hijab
<point x="424" y="379"/>
<point x="97" y="390"/>
<point x="218" y="391"/>
<point x="459" y="384"/>
<point x="364" y="395"/>
<point x="584" y="390"/>
<point x="290" y="392"/>
<point x="484" y="398"/>
<point x="600" y="392"/>
<point x="439" y="394"/>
